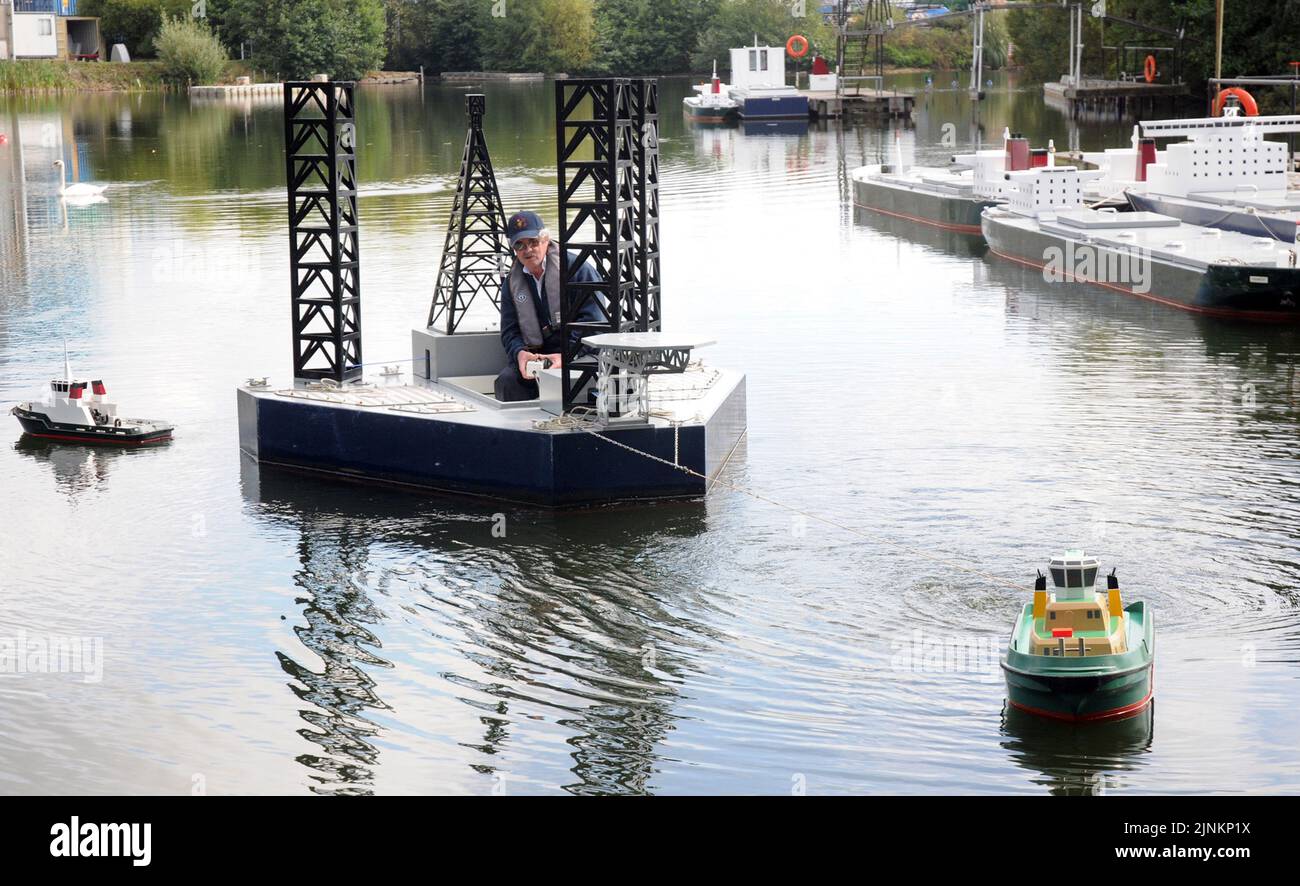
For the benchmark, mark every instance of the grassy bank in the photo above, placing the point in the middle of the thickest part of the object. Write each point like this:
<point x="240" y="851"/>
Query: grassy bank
<point x="23" y="76"/>
<point x="57" y="76"/>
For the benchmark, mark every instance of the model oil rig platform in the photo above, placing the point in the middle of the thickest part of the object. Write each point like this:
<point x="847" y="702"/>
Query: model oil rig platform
<point x="630" y="414"/>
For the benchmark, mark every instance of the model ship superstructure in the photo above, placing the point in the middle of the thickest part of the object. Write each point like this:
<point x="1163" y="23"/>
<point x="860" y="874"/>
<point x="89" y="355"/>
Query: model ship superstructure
<point x="950" y="197"/>
<point x="1226" y="174"/>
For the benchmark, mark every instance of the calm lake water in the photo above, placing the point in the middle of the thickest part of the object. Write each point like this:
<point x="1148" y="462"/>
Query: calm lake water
<point x="265" y="632"/>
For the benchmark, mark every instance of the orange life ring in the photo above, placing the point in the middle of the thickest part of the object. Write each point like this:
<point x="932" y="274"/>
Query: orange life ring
<point x="1247" y="101"/>
<point x="803" y="46"/>
<point x="1149" y="69"/>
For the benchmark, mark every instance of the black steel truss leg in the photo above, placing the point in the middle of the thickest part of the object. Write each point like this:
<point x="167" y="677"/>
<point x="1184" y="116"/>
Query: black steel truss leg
<point x="607" y="162"/>
<point x="324" y="261"/>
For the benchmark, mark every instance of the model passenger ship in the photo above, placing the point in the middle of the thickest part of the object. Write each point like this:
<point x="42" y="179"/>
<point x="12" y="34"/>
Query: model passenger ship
<point x="1077" y="654"/>
<point x="75" y="416"/>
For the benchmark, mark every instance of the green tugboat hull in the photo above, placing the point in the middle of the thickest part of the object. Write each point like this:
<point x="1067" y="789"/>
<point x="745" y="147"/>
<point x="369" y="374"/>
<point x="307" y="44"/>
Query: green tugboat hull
<point x="1103" y="687"/>
<point x="1108" y="697"/>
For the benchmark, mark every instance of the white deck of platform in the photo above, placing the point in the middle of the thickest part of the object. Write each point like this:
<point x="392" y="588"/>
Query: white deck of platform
<point x="686" y="399"/>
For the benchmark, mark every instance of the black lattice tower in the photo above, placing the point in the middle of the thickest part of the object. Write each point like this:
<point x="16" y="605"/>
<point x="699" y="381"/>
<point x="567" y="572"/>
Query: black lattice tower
<point x="474" y="258"/>
<point x="645" y="105"/>
<point x="607" y="147"/>
<point x="595" y="138"/>
<point x="324" y="262"/>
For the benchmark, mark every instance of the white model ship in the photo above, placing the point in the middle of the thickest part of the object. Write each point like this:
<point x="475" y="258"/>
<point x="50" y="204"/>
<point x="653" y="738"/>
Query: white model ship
<point x="77" y="412"/>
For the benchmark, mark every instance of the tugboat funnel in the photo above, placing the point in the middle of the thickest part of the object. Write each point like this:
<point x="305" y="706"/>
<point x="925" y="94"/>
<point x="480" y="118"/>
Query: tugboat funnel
<point x="1017" y="153"/>
<point x="1146" y="155"/>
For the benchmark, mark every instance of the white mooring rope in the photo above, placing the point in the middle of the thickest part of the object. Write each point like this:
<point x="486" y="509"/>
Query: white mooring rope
<point x="590" y="427"/>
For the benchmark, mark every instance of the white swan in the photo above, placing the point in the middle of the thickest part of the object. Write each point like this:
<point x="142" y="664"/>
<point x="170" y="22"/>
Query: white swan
<point x="79" y="191"/>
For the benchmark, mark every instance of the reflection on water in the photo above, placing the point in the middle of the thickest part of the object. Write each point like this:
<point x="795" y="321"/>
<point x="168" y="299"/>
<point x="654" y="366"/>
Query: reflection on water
<point x="341" y="694"/>
<point x="535" y="636"/>
<point x="940" y="240"/>
<point x="76" y="468"/>
<point x="1073" y="760"/>
<point x="279" y="632"/>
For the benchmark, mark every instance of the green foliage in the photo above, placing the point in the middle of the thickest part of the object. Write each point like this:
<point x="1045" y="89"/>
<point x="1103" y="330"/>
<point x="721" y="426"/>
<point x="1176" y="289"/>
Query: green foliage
<point x="297" y="38"/>
<point x="441" y="35"/>
<point x="189" y="52"/>
<point x="736" y="22"/>
<point x="1041" y="38"/>
<point x="641" y="37"/>
<point x="540" y="35"/>
<point x="34" y="75"/>
<point x="16" y="76"/>
<point x="1258" y="38"/>
<point x="943" y="46"/>
<point x="134" y="22"/>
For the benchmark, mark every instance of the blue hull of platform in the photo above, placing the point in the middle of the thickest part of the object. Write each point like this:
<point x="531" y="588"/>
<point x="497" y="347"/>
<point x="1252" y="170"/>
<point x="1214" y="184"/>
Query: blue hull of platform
<point x="550" y="469"/>
<point x="782" y="107"/>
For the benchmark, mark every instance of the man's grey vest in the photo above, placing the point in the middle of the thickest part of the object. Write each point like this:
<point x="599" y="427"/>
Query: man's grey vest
<point x="521" y="291"/>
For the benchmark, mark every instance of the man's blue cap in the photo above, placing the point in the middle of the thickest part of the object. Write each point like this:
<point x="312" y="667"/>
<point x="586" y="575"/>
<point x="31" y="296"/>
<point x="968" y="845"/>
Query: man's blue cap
<point x="523" y="225"/>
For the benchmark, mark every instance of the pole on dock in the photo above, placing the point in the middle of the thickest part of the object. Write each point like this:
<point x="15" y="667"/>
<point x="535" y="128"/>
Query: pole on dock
<point x="1078" y="51"/>
<point x="977" y="53"/>
<point x="1070" y="70"/>
<point x="1218" y="39"/>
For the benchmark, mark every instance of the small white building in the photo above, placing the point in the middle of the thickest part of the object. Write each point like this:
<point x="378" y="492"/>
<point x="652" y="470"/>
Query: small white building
<point x="51" y="29"/>
<point x="756" y="67"/>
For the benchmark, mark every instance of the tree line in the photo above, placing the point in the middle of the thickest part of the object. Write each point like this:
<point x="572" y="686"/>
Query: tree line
<point x="348" y="38"/>
<point x="1258" y="39"/>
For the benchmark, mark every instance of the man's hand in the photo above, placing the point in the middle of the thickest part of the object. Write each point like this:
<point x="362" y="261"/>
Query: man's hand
<point x="524" y="357"/>
<point x="556" y="360"/>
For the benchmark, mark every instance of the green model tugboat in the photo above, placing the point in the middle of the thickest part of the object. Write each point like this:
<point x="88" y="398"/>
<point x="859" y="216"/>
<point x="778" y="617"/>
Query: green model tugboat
<point x="1077" y="654"/>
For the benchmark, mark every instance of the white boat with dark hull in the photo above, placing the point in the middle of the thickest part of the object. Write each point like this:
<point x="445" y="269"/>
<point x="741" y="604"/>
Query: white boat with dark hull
<point x="74" y="416"/>
<point x="1203" y="270"/>
<point x="758" y="85"/>
<point x="711" y="102"/>
<point x="1225" y="175"/>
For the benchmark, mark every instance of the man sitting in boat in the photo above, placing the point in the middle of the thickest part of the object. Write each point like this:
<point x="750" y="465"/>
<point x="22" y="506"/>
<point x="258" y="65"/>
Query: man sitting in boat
<point x="530" y="306"/>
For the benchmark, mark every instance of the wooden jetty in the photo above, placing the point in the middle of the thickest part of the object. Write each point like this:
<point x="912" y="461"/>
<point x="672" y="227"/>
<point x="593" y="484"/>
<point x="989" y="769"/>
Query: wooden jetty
<point x="828" y="103"/>
<point x="1119" y="96"/>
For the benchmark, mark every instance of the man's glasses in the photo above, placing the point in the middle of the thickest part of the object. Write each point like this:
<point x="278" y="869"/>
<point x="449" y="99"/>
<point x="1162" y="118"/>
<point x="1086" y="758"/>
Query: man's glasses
<point x="525" y="245"/>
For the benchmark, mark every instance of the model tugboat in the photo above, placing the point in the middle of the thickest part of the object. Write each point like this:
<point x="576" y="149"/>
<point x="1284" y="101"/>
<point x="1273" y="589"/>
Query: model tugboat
<point x="711" y="104"/>
<point x="1076" y="654"/>
<point x="71" y="415"/>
